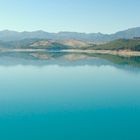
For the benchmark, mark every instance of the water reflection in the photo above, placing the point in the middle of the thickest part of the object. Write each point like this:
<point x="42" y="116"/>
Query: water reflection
<point x="69" y="59"/>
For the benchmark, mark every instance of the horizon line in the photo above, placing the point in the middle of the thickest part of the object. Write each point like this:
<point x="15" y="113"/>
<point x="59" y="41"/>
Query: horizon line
<point x="12" y="30"/>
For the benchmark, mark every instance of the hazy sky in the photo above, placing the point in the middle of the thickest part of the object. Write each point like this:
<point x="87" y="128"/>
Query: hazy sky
<point x="105" y="16"/>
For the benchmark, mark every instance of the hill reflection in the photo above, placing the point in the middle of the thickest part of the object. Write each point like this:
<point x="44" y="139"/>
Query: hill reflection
<point x="68" y="59"/>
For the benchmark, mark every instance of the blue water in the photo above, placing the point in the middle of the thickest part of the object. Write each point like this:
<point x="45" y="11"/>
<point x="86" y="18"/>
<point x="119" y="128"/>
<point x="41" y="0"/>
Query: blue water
<point x="75" y="102"/>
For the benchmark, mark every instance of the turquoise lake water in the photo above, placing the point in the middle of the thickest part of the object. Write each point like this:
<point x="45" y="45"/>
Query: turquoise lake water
<point x="83" y="100"/>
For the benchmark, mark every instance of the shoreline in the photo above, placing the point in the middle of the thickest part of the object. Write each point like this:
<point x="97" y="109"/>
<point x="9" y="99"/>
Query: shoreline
<point x="125" y="53"/>
<point x="111" y="52"/>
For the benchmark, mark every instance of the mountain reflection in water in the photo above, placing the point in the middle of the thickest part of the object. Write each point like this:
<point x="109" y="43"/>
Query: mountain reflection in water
<point x="68" y="59"/>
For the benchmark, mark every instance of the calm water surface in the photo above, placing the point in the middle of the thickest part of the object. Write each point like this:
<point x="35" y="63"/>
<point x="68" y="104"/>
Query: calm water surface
<point x="94" y="100"/>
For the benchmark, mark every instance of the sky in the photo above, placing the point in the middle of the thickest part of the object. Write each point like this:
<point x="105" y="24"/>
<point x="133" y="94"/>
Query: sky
<point x="106" y="16"/>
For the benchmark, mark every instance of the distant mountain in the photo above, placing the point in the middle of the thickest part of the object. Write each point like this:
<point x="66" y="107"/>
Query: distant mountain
<point x="57" y="45"/>
<point x="7" y="35"/>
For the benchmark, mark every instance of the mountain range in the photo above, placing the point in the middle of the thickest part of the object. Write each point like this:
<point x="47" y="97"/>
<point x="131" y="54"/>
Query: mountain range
<point x="7" y="35"/>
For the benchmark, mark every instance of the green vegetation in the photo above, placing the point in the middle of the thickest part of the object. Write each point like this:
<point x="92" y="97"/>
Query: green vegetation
<point x="121" y="44"/>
